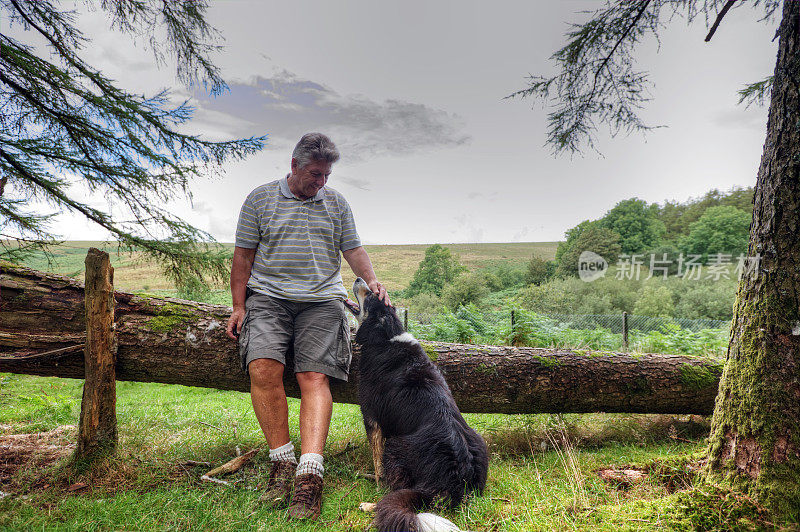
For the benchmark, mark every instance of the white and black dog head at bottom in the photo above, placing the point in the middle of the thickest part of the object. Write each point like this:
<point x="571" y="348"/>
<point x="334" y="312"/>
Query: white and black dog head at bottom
<point x="377" y="321"/>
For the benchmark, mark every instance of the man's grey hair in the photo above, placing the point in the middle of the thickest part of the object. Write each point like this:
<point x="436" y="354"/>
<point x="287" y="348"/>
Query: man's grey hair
<point x="315" y="147"/>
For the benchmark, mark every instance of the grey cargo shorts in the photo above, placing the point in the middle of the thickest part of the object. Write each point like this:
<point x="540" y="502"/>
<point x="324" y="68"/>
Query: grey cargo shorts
<point x="318" y="331"/>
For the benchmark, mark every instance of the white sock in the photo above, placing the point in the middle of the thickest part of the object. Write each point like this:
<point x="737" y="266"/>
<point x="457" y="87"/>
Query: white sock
<point x="310" y="463"/>
<point x="284" y="453"/>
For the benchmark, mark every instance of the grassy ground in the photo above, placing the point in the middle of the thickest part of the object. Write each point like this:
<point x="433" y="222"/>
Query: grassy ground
<point x="543" y="469"/>
<point x="130" y="273"/>
<point x="536" y="480"/>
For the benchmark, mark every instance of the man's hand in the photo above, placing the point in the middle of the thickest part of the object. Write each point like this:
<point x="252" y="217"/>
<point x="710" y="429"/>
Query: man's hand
<point x="235" y="323"/>
<point x="359" y="262"/>
<point x="240" y="272"/>
<point x="380" y="290"/>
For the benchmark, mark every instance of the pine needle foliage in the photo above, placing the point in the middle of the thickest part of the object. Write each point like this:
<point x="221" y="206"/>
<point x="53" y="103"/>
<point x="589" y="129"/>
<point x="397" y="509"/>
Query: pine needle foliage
<point x="757" y="93"/>
<point x="64" y="122"/>
<point x="597" y="81"/>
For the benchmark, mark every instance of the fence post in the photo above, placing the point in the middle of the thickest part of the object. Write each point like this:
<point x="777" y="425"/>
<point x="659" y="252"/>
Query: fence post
<point x="97" y="429"/>
<point x="625" y="331"/>
<point x="513" y="331"/>
<point x="405" y="319"/>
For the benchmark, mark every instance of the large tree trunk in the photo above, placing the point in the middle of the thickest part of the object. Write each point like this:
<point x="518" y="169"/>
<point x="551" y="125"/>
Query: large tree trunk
<point x="755" y="434"/>
<point x="179" y="342"/>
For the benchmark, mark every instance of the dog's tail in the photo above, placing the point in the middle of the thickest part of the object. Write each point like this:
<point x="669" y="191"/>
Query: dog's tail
<point x="397" y="511"/>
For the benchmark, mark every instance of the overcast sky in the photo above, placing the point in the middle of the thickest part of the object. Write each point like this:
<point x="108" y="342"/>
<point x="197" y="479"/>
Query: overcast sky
<point x="413" y="94"/>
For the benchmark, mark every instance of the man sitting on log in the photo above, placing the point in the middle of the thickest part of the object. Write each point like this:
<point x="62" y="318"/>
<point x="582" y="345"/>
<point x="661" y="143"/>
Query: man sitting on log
<point x="287" y="291"/>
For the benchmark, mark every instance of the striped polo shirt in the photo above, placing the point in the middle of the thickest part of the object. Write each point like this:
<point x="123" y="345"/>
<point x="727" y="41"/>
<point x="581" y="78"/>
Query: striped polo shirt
<point x="298" y="241"/>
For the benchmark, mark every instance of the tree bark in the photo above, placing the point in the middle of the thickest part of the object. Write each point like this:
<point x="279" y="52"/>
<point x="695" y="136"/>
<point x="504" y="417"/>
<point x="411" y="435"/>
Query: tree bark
<point x="179" y="342"/>
<point x="755" y="432"/>
<point x="97" y="429"/>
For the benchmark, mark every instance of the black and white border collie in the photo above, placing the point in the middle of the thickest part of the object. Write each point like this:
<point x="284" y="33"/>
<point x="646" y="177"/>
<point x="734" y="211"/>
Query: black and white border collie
<point x="421" y="445"/>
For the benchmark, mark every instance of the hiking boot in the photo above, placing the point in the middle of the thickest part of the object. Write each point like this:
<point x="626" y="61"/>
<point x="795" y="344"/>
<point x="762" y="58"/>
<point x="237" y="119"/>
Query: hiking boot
<point x="307" y="498"/>
<point x="279" y="485"/>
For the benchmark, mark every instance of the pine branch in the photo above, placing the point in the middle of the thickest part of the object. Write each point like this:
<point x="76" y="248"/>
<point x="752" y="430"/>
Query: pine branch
<point x="64" y="122"/>
<point x="596" y="81"/>
<point x="92" y="214"/>
<point x="756" y="93"/>
<point x="63" y="52"/>
<point x="616" y="45"/>
<point x="720" y="16"/>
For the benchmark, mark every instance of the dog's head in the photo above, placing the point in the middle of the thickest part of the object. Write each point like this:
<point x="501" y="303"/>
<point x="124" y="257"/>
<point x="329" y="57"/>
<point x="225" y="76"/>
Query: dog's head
<point x="376" y="321"/>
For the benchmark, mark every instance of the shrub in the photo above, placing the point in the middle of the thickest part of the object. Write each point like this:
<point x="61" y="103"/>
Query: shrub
<point x="658" y="255"/>
<point x="707" y="300"/>
<point x="655" y="301"/>
<point x="674" y="339"/>
<point x="539" y="271"/>
<point x="595" y="304"/>
<point x="503" y="277"/>
<point x="492" y="281"/>
<point x="571" y="236"/>
<point x="465" y="289"/>
<point x="471" y="325"/>
<point x="622" y="294"/>
<point x="601" y="240"/>
<point x="465" y="326"/>
<point x="508" y="276"/>
<point x="554" y="297"/>
<point x="436" y="270"/>
<point x="423" y="307"/>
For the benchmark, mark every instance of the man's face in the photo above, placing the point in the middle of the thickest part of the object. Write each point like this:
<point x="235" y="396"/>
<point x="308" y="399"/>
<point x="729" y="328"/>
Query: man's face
<point x="310" y="178"/>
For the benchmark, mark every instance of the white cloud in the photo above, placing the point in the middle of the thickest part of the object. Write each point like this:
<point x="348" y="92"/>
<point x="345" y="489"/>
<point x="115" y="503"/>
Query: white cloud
<point x="223" y="228"/>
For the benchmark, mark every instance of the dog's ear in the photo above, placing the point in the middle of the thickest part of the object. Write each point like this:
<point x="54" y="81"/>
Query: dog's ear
<point x="388" y="318"/>
<point x="373" y="303"/>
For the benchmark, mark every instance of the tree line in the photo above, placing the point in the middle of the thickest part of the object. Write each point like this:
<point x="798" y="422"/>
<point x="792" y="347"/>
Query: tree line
<point x="715" y="224"/>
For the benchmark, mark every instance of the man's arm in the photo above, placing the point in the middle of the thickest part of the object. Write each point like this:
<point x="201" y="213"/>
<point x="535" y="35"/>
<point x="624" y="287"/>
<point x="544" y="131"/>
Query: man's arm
<point x="240" y="273"/>
<point x="359" y="262"/>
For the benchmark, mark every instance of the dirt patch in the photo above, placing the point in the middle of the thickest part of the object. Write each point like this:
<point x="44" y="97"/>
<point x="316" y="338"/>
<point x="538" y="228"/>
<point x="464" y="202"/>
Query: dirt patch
<point x="674" y="474"/>
<point x="19" y="452"/>
<point x="622" y="478"/>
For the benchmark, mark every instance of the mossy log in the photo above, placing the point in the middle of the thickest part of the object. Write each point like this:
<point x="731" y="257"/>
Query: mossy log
<point x="42" y="332"/>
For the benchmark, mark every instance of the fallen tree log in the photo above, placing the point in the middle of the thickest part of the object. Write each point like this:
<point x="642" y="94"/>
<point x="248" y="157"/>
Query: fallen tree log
<point x="167" y="340"/>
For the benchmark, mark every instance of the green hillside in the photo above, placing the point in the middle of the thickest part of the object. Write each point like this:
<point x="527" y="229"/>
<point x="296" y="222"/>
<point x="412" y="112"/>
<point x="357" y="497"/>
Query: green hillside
<point x="394" y="264"/>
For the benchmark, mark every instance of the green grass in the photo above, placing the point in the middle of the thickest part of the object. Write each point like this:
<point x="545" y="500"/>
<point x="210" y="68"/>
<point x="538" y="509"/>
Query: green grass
<point x="531" y="486"/>
<point x="542" y="471"/>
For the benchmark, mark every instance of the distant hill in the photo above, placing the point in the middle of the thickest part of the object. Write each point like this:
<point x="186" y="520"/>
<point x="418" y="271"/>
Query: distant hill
<point x="394" y="264"/>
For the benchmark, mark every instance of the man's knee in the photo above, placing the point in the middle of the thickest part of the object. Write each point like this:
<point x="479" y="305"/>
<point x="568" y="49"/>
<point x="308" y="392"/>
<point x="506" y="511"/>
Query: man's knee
<point x="265" y="373"/>
<point x="312" y="379"/>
